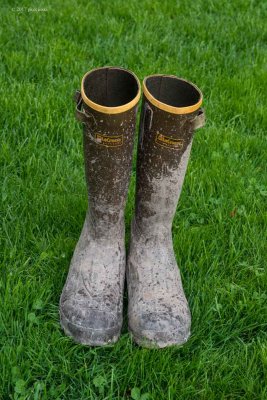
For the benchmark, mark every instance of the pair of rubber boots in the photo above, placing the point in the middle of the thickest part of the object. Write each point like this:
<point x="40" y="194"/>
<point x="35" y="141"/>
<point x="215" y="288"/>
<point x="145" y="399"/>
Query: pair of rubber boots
<point x="91" y="304"/>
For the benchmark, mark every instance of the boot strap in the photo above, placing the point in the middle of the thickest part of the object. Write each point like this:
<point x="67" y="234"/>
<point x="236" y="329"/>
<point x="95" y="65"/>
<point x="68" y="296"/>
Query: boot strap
<point x="199" y="120"/>
<point x="145" y="121"/>
<point x="80" y="112"/>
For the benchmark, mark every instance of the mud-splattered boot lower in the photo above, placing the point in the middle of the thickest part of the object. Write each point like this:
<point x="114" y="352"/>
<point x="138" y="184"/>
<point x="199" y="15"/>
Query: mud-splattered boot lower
<point x="91" y="301"/>
<point x="158" y="311"/>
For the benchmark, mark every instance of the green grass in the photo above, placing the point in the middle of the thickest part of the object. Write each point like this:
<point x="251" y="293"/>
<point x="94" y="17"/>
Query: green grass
<point x="220" y="228"/>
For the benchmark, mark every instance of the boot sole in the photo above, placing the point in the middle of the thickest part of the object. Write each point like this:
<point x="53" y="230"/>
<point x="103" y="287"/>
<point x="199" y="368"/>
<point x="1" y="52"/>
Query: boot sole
<point x="89" y="337"/>
<point x="142" y="341"/>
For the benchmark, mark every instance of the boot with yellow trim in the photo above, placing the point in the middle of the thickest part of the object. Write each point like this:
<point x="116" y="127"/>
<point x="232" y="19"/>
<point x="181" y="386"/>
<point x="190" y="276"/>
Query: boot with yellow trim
<point x="91" y="301"/>
<point x="158" y="311"/>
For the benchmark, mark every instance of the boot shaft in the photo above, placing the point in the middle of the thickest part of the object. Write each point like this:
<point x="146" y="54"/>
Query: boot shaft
<point x="107" y="106"/>
<point x="170" y="114"/>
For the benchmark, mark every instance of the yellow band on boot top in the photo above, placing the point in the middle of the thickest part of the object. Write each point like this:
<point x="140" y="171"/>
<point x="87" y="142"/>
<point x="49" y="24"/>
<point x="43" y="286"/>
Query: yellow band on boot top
<point x="166" y="107"/>
<point x="106" y="109"/>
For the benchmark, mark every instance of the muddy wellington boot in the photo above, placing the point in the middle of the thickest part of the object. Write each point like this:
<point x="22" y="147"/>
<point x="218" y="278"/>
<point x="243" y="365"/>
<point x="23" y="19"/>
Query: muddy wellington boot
<point x="158" y="311"/>
<point x="91" y="301"/>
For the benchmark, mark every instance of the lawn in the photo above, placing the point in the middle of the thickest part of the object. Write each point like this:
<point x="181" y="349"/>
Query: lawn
<point x="220" y="227"/>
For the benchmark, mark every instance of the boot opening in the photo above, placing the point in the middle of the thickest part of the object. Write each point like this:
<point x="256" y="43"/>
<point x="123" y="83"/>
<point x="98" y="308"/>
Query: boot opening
<point x="172" y="91"/>
<point x="111" y="87"/>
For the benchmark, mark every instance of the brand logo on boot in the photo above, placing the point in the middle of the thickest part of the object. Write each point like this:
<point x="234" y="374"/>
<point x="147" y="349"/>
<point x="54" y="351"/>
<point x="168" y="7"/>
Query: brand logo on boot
<point x="169" y="142"/>
<point x="108" y="140"/>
